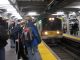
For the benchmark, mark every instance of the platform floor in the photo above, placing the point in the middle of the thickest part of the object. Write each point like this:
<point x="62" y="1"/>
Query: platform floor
<point x="43" y="53"/>
<point x="46" y="53"/>
<point x="11" y="54"/>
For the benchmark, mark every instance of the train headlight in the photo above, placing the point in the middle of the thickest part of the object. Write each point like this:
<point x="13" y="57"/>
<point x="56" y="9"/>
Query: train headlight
<point x="51" y="19"/>
<point x="58" y="32"/>
<point x="46" y="33"/>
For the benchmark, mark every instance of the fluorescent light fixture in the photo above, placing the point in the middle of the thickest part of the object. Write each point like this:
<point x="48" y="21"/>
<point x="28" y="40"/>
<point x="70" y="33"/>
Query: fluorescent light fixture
<point x="5" y="4"/>
<point x="54" y="14"/>
<point x="2" y="2"/>
<point x="33" y="17"/>
<point x="14" y="12"/>
<point x="32" y="13"/>
<point x="17" y="16"/>
<point x="59" y="13"/>
<point x="78" y="6"/>
<point x="72" y="13"/>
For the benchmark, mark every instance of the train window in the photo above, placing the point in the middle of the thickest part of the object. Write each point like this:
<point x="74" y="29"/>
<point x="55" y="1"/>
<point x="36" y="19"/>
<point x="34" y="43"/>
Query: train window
<point x="52" y="25"/>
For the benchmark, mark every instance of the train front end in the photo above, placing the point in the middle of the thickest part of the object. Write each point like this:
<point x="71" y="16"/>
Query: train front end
<point x="51" y="28"/>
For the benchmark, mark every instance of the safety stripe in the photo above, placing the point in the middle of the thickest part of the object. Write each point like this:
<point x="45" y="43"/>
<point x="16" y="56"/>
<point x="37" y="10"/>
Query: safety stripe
<point x="46" y="53"/>
<point x="73" y="37"/>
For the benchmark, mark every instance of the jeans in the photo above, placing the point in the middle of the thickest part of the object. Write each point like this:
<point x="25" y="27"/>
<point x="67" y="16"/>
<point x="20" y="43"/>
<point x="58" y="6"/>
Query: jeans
<point x="12" y="43"/>
<point x="20" y="51"/>
<point x="2" y="53"/>
<point x="32" y="52"/>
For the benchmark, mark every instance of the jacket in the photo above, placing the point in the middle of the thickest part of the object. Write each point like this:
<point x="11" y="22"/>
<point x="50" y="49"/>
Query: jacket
<point x="3" y="33"/>
<point x="36" y="37"/>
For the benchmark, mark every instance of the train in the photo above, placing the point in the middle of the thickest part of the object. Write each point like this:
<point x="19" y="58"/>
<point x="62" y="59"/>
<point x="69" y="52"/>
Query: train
<point x="50" y="28"/>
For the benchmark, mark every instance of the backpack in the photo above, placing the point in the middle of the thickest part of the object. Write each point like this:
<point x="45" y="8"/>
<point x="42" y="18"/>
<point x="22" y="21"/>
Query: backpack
<point x="27" y="35"/>
<point x="3" y="35"/>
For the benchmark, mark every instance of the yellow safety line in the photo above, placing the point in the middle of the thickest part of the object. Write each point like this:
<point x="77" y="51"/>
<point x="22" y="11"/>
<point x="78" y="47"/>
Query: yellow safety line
<point x="70" y="36"/>
<point x="45" y="53"/>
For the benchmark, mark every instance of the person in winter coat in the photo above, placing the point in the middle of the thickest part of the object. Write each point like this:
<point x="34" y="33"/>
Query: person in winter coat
<point x="35" y="36"/>
<point x="3" y="37"/>
<point x="19" y="43"/>
<point x="75" y="28"/>
<point x="12" y="32"/>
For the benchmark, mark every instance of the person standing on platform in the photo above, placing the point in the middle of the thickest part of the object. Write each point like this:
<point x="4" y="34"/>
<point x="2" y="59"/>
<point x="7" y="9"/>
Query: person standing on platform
<point x="12" y="32"/>
<point x="3" y="37"/>
<point x="32" y="49"/>
<point x="75" y="28"/>
<point x="19" y="43"/>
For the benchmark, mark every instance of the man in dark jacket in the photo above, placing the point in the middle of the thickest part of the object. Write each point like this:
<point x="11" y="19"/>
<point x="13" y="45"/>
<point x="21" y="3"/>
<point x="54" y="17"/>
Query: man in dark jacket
<point x="3" y="37"/>
<point x="12" y="31"/>
<point x="75" y="28"/>
<point x="19" y="44"/>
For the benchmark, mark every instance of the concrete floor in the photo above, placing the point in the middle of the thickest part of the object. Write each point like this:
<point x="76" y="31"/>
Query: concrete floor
<point x="11" y="54"/>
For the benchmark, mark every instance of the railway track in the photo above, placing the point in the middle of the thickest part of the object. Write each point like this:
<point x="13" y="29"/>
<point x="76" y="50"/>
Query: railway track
<point x="62" y="52"/>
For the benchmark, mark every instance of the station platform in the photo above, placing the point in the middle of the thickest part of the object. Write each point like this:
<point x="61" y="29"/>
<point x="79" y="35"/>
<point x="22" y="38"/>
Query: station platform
<point x="44" y="53"/>
<point x="74" y="38"/>
<point x="10" y="53"/>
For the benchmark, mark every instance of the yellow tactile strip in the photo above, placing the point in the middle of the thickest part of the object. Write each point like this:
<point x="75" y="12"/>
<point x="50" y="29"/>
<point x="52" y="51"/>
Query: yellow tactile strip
<point x="45" y="53"/>
<point x="73" y="37"/>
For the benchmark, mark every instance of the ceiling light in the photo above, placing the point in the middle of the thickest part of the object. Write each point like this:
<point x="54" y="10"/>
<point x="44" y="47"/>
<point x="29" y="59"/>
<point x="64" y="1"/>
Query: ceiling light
<point x="33" y="17"/>
<point x="72" y="13"/>
<point x="59" y="13"/>
<point x="2" y="2"/>
<point x="32" y="13"/>
<point x="5" y="4"/>
<point x="54" y="14"/>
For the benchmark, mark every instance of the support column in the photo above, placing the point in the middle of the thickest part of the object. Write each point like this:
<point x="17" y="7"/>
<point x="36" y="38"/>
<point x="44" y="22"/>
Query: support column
<point x="67" y="20"/>
<point x="78" y="17"/>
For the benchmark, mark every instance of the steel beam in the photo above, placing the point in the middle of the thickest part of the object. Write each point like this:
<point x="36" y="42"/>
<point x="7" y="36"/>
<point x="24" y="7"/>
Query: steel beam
<point x="60" y="5"/>
<point x="25" y="3"/>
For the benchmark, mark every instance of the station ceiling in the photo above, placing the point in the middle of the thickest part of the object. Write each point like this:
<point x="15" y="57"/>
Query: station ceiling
<point x="26" y="6"/>
<point x="48" y="6"/>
